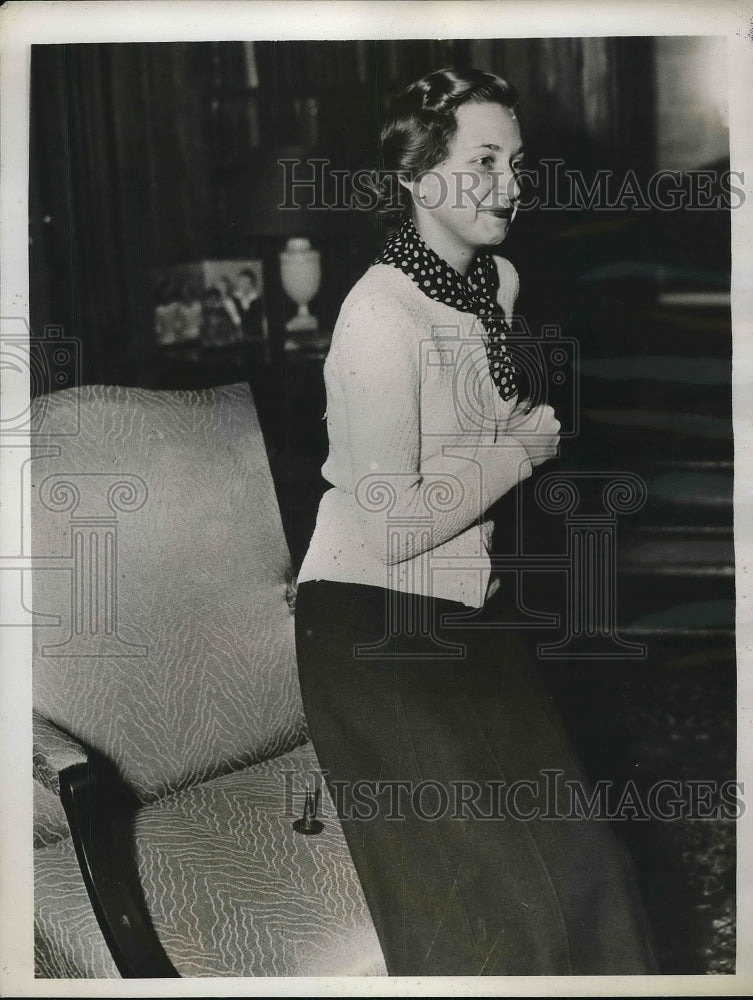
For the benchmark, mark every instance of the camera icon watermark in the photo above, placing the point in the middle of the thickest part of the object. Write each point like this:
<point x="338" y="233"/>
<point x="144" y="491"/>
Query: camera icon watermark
<point x="32" y="367"/>
<point x="548" y="363"/>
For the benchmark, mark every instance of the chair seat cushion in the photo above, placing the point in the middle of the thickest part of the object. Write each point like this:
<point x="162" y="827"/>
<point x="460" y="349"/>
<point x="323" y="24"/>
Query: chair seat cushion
<point x="233" y="890"/>
<point x="68" y="943"/>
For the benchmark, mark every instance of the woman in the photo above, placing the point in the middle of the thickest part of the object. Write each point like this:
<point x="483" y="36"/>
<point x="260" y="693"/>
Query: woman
<point x="423" y="708"/>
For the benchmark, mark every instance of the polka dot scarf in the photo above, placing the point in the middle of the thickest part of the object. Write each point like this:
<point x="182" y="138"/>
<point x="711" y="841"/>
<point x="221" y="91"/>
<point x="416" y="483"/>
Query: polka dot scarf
<point x="475" y="294"/>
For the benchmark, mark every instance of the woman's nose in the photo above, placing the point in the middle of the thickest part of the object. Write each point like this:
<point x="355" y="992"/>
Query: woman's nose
<point x="507" y="187"/>
<point x="506" y="190"/>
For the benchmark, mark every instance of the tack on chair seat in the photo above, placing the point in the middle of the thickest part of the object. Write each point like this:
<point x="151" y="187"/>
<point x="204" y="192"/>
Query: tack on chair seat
<point x="167" y="716"/>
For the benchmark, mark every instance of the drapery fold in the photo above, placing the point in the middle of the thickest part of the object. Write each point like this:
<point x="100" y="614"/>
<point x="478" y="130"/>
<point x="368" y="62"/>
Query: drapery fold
<point x="128" y="187"/>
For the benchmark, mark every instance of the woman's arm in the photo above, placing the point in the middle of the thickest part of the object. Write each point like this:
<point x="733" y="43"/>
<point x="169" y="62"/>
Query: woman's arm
<point x="377" y="368"/>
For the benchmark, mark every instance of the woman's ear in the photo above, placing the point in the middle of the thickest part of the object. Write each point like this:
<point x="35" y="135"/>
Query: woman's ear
<point x="417" y="185"/>
<point x="429" y="189"/>
<point x="405" y="180"/>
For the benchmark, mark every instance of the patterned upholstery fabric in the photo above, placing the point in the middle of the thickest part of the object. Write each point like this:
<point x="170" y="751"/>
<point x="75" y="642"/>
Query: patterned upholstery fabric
<point x="50" y="822"/>
<point x="160" y="549"/>
<point x="53" y="752"/>
<point x="67" y="940"/>
<point x="233" y="890"/>
<point x="157" y="529"/>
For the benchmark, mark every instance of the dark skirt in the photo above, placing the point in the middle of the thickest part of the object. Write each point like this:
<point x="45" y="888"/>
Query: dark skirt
<point x="442" y="753"/>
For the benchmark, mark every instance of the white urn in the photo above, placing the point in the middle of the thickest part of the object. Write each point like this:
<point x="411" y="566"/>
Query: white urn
<point x="301" y="274"/>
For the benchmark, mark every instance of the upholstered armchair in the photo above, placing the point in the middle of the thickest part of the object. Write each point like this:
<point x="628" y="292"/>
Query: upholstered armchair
<point x="170" y="751"/>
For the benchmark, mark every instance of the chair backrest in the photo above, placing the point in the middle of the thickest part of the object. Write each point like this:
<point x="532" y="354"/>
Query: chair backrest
<point x="157" y="543"/>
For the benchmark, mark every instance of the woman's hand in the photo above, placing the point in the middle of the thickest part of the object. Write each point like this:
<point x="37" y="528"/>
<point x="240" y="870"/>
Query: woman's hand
<point x="537" y="429"/>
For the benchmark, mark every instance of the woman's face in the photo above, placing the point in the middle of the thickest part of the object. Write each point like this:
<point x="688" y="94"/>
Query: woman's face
<point x="465" y="203"/>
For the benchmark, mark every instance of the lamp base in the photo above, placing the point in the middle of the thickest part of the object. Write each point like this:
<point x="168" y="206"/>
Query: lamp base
<point x="302" y="321"/>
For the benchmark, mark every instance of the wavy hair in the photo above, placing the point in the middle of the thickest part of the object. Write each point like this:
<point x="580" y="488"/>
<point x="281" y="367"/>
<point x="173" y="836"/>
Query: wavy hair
<point x="422" y="120"/>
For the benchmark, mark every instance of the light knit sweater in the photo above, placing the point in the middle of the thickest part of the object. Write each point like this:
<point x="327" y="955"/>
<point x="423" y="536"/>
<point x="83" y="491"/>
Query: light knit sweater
<point x="417" y="444"/>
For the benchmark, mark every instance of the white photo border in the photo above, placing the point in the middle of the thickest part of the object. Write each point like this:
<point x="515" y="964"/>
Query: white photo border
<point x="48" y="21"/>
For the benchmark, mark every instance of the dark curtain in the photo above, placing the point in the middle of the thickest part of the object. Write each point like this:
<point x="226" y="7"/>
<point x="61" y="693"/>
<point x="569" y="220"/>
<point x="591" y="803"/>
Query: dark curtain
<point x="589" y="100"/>
<point x="119" y="183"/>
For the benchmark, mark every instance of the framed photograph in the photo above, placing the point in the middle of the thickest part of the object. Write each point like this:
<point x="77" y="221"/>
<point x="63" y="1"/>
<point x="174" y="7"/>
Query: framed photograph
<point x="210" y="304"/>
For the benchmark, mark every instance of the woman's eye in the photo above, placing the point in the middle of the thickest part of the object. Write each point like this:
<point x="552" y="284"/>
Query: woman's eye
<point x="485" y="161"/>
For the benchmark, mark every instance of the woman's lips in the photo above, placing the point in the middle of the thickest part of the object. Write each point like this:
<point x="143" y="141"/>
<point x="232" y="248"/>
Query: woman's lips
<point x="499" y="213"/>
